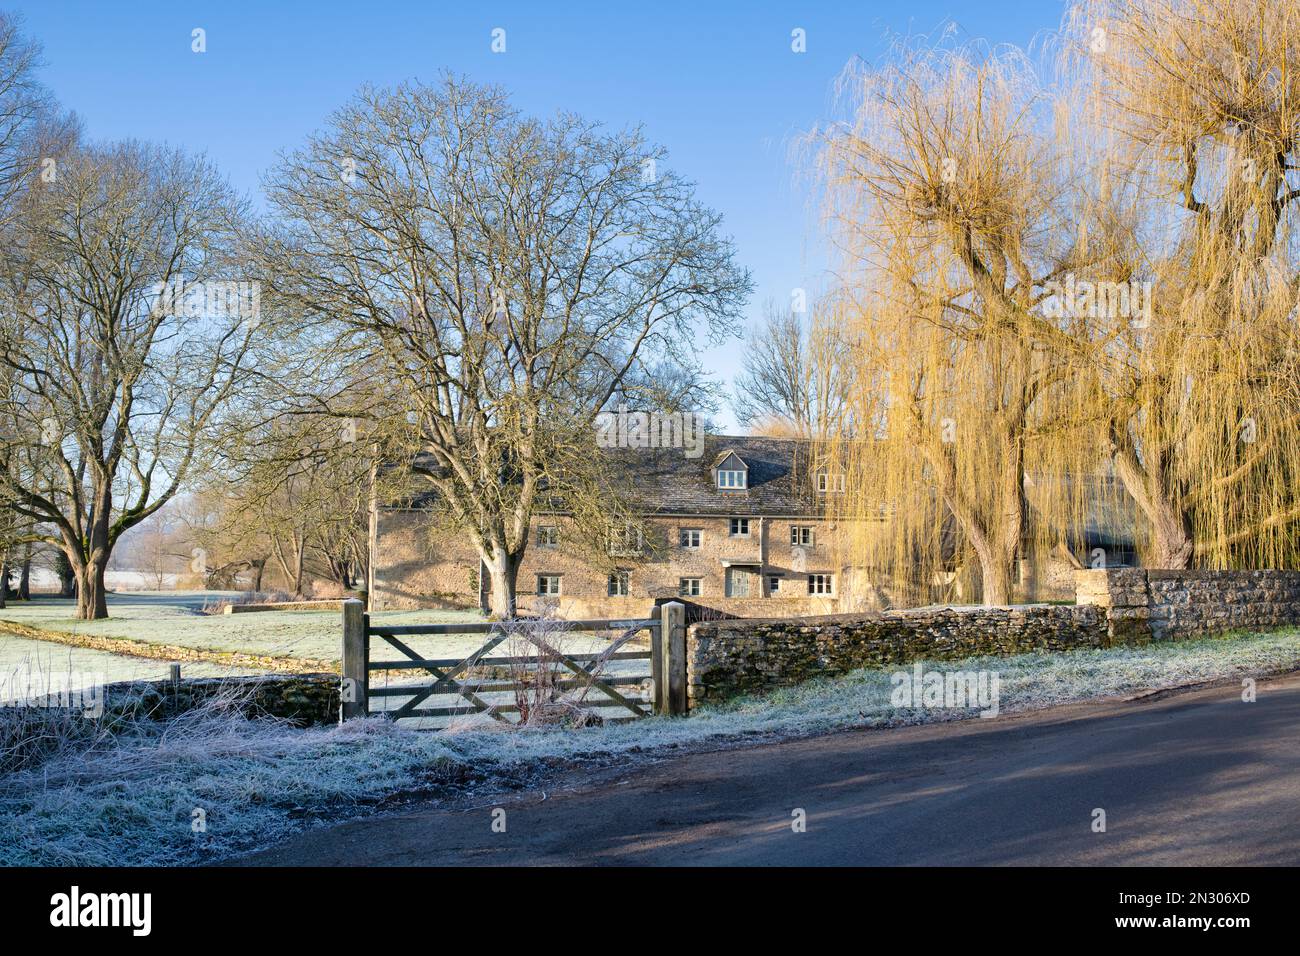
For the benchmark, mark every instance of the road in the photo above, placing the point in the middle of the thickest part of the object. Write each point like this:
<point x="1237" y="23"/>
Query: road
<point x="1199" y="777"/>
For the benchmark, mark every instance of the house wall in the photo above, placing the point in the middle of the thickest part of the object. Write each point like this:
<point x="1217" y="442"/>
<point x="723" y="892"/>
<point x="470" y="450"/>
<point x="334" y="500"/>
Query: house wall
<point x="417" y="564"/>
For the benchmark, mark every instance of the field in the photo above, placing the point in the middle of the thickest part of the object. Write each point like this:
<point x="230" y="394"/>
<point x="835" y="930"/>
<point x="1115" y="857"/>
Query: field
<point x="29" y="668"/>
<point x="174" y="617"/>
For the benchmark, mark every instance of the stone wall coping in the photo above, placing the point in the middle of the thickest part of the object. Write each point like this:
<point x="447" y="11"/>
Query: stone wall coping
<point x="865" y="617"/>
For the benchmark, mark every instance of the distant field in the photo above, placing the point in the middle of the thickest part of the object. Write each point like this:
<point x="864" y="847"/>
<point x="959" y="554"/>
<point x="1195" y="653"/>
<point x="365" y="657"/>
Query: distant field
<point x="173" y="617"/>
<point x="29" y="668"/>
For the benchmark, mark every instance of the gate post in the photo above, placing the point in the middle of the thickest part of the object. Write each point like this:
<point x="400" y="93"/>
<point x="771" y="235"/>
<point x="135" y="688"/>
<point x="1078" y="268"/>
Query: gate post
<point x="658" y="683"/>
<point x="670" y="688"/>
<point x="356" y="660"/>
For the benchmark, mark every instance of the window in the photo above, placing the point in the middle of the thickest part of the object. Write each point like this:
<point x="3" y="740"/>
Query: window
<point x="821" y="584"/>
<point x="801" y="536"/>
<point x="773" y="583"/>
<point x="740" y="527"/>
<point x="548" y="584"/>
<point x="731" y="479"/>
<point x="737" y="582"/>
<point x="618" y="584"/>
<point x="688" y="587"/>
<point x="690" y="538"/>
<point x="827" y="483"/>
<point x="548" y="536"/>
<point x="625" y="541"/>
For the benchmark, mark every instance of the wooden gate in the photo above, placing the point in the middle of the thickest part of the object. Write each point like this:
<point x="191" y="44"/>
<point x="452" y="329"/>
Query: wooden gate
<point x="477" y="680"/>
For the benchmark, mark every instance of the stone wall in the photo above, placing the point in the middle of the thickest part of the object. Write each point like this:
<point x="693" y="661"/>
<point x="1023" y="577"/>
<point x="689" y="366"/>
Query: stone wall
<point x="724" y="658"/>
<point x="304" y="699"/>
<point x="1143" y="604"/>
<point x="1113" y="606"/>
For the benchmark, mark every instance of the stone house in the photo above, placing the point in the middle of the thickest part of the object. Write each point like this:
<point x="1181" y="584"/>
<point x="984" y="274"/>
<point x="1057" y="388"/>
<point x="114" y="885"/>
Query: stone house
<point x="737" y="531"/>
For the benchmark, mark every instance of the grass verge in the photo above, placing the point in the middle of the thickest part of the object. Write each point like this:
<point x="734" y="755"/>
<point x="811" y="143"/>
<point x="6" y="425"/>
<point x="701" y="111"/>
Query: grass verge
<point x="132" y="800"/>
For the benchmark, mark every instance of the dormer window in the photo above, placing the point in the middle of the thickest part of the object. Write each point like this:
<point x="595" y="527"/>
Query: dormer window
<point x="732" y="473"/>
<point x="731" y="479"/>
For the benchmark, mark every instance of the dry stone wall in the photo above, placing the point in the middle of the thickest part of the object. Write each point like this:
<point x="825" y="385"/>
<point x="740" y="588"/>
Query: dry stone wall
<point x="1113" y="606"/>
<point x="1144" y="604"/>
<point x="724" y="658"/>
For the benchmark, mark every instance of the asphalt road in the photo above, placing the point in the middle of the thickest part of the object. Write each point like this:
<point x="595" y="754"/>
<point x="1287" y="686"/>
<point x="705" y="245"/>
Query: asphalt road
<point x="1194" y="778"/>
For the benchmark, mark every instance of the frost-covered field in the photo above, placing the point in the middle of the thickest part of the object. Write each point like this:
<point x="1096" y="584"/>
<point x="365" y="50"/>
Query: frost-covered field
<point x="172" y="617"/>
<point x="27" y="666"/>
<point x="133" y="802"/>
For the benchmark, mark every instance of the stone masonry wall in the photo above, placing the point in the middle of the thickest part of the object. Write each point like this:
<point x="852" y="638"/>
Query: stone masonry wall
<point x="1143" y="604"/>
<point x="724" y="658"/>
<point x="303" y="699"/>
<point x="1113" y="606"/>
<point x="418" y="563"/>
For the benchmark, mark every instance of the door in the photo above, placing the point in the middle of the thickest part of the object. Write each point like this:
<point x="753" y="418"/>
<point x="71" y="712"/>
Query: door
<point x="738" y="582"/>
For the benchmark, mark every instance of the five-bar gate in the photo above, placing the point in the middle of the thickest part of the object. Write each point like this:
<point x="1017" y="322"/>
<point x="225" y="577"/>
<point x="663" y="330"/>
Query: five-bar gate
<point x="599" y="680"/>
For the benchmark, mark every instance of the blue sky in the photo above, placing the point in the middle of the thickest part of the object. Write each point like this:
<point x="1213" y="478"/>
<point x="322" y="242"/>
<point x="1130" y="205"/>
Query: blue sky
<point x="716" y="83"/>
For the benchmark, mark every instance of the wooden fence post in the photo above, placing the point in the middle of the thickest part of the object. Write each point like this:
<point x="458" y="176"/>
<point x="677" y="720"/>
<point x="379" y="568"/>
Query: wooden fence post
<point x="672" y="635"/>
<point x="356" y="660"/>
<point x="658" y="682"/>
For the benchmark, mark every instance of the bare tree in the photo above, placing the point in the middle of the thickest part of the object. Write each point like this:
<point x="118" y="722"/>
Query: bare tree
<point x="795" y="377"/>
<point x="509" y="276"/>
<point x="124" y="334"/>
<point x="27" y="119"/>
<point x="297" y="491"/>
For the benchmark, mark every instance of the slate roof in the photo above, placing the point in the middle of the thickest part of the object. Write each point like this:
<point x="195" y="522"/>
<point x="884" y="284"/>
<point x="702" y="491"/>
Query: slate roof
<point x="665" y="481"/>
<point x="779" y="483"/>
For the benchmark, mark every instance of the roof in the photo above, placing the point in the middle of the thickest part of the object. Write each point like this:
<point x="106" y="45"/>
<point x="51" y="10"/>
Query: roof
<point x="666" y="481"/>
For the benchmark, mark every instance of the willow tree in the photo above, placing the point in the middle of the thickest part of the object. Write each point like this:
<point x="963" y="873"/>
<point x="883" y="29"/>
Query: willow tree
<point x="509" y="276"/>
<point x="1194" y="108"/>
<point x="953" y="208"/>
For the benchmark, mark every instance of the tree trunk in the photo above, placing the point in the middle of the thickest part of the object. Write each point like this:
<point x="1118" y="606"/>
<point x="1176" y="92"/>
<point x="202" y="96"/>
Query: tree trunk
<point x="92" y="596"/>
<point x="997" y="573"/>
<point x="67" y="577"/>
<point x="1172" y="546"/>
<point x="299" y="568"/>
<point x="25" y="578"/>
<point x="503" y="570"/>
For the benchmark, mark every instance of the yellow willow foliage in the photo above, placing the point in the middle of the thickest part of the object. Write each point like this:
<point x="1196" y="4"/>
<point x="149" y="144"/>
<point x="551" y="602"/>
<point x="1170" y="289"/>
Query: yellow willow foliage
<point x="1071" y="309"/>
<point x="956" y="215"/>
<point x="1192" y="110"/>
